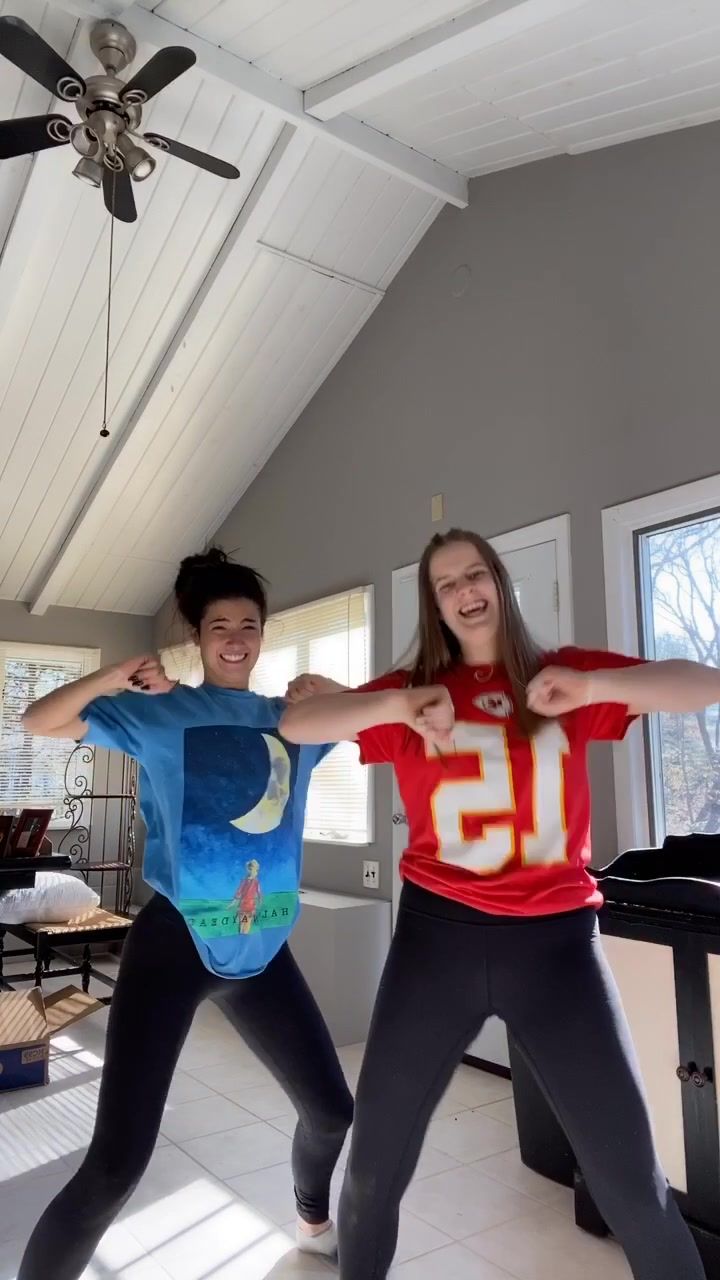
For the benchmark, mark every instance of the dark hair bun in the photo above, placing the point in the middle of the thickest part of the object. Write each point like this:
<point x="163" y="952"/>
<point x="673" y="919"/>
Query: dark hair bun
<point x="212" y="575"/>
<point x="193" y="566"/>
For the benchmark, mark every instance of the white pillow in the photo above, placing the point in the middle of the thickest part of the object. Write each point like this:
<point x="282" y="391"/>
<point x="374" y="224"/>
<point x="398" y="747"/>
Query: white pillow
<point x="55" y="899"/>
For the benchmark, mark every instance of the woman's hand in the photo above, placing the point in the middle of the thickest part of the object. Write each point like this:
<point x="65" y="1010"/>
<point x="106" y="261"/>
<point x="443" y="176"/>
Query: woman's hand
<point x="309" y="686"/>
<point x="59" y="714"/>
<point x="432" y="715"/>
<point x="140" y="675"/>
<point x="557" y="691"/>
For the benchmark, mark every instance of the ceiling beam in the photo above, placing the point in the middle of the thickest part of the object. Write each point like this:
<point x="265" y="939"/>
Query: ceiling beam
<point x="286" y="101"/>
<point x="278" y="171"/>
<point x="487" y="24"/>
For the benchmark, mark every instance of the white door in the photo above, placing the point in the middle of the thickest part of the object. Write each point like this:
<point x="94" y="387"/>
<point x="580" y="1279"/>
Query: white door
<point x="538" y="560"/>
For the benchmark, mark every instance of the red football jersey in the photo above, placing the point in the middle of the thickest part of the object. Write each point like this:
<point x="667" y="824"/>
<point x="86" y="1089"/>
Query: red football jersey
<point x="501" y="823"/>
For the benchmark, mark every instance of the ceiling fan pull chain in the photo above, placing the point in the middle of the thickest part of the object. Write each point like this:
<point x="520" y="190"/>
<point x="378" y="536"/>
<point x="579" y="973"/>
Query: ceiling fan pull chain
<point x="105" y="432"/>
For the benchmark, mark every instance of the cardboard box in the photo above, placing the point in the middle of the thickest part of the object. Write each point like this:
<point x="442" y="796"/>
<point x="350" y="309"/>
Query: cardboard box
<point x="27" y="1021"/>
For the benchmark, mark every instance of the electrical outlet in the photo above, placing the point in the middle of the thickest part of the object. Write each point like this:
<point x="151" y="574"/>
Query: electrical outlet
<point x="371" y="875"/>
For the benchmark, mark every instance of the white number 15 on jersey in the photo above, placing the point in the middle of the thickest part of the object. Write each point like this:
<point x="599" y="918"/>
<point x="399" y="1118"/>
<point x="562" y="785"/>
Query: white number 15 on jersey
<point x="491" y="795"/>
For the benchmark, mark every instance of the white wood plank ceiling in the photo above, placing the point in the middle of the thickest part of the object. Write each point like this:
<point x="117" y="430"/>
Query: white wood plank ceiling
<point x="352" y="122"/>
<point x="598" y="74"/>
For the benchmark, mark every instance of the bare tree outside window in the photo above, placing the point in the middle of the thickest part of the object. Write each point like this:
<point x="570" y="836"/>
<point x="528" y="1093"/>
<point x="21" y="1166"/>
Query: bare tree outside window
<point x="681" y="607"/>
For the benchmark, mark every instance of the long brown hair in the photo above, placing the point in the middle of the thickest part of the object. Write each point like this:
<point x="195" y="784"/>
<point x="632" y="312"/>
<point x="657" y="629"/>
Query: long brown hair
<point x="438" y="649"/>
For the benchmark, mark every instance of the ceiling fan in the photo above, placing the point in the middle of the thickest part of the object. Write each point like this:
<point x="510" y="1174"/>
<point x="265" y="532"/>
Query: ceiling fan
<point x="107" y="136"/>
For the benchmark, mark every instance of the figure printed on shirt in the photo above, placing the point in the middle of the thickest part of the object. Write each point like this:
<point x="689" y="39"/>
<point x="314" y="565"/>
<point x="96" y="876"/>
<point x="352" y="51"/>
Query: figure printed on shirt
<point x="248" y="896"/>
<point x="238" y="817"/>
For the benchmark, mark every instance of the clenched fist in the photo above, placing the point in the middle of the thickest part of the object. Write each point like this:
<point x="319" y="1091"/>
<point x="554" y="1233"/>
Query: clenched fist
<point x="557" y="691"/>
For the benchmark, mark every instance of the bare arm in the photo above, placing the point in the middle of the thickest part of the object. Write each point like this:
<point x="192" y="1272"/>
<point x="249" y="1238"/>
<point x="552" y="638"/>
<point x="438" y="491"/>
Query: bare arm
<point x="309" y="686"/>
<point x="59" y="714"/>
<point x="340" y="717"/>
<point x="675" y="685"/>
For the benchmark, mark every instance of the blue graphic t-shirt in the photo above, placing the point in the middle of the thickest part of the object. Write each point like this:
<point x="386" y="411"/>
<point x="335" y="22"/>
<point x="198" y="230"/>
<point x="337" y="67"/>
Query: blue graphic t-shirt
<point x="223" y="798"/>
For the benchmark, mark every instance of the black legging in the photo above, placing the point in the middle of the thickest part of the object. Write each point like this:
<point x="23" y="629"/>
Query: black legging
<point x="162" y="981"/>
<point x="450" y="968"/>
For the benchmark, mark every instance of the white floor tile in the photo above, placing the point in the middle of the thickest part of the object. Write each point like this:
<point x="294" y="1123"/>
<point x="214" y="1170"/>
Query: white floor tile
<point x="231" y="1075"/>
<point x="470" y="1135"/>
<point x="205" y="1116"/>
<point x="174" y="1198"/>
<point x="42" y="1125"/>
<point x="285" y="1124"/>
<point x="473" y="1088"/>
<point x="270" y="1191"/>
<point x="508" y="1168"/>
<point x="449" y="1105"/>
<point x="23" y="1199"/>
<point x="416" y="1238"/>
<point x="227" y="1155"/>
<point x="231" y="1241"/>
<point x="432" y="1161"/>
<point x="504" y="1111"/>
<point x="546" y="1246"/>
<point x="217" y="1202"/>
<point x="211" y="1049"/>
<point x="120" y="1256"/>
<point x="186" y="1088"/>
<point x="453" y="1263"/>
<point x="463" y="1201"/>
<point x="266" y="1101"/>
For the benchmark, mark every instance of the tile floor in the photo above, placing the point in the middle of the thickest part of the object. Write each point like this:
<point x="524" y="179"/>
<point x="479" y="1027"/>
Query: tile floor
<point x="216" y="1202"/>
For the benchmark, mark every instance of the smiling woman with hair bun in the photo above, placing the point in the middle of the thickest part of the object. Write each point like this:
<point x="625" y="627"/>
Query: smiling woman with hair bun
<point x="223" y="798"/>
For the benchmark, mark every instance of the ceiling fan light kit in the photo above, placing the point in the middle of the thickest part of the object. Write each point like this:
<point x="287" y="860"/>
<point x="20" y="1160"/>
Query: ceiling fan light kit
<point x="108" y="136"/>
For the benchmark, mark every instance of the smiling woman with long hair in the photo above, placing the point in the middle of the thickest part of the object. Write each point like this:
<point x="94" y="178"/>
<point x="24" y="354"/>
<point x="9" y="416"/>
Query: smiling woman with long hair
<point x="488" y="736"/>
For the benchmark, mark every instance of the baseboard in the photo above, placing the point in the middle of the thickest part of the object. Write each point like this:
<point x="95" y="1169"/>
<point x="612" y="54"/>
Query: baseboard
<point x="492" y="1068"/>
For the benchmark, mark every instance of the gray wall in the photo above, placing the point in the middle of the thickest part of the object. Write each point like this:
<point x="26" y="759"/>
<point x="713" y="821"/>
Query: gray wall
<point x="117" y="635"/>
<point x="580" y="370"/>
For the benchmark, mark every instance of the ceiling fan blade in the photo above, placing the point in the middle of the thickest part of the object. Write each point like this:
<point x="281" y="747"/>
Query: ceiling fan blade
<point x="23" y="136"/>
<point x="118" y="192"/>
<point x="28" y="51"/>
<point x="164" y="67"/>
<point x="199" y="158"/>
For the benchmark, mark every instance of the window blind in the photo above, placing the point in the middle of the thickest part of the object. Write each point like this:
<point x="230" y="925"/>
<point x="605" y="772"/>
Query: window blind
<point x="330" y="637"/>
<point x="32" y="770"/>
<point x="182" y="662"/>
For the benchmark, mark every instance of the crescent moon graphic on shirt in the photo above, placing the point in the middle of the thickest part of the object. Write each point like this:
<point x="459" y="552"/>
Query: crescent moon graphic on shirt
<point x="268" y="812"/>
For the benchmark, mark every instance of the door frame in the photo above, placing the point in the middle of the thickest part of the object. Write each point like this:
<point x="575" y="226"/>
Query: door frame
<point x="557" y="530"/>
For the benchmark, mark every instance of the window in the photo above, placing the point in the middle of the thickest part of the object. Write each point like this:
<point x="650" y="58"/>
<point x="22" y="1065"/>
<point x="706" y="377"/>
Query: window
<point x="182" y="662"/>
<point x="332" y="638"/>
<point x="669" y="548"/>
<point x="680" y="592"/>
<point x="32" y="770"/>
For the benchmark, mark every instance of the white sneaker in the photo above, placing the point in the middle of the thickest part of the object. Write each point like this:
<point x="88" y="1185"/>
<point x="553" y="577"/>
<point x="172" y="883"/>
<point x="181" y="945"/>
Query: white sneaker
<point x="324" y="1244"/>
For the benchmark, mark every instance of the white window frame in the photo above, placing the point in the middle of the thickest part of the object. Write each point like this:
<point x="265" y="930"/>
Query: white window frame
<point x="620" y="525"/>
<point x="90" y="659"/>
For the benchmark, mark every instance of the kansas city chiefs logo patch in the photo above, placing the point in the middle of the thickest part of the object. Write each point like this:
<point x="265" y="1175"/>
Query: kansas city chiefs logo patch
<point x="495" y="704"/>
